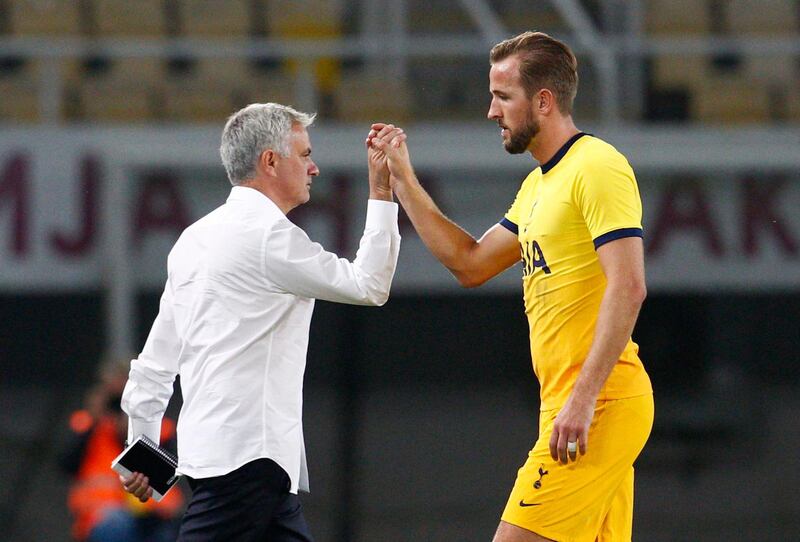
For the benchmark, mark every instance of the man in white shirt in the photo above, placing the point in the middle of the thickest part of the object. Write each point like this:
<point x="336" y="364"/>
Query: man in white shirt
<point x="234" y="323"/>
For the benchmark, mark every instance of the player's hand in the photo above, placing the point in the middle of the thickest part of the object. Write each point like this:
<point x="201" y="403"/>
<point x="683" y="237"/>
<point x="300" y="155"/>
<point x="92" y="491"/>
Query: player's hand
<point x="392" y="141"/>
<point x="571" y="426"/>
<point x="137" y="485"/>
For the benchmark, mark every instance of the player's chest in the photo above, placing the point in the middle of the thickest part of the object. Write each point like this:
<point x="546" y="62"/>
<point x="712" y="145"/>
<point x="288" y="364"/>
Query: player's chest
<point x="549" y="211"/>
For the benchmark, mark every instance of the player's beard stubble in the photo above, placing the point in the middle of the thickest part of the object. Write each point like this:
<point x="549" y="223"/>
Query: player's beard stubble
<point x="521" y="140"/>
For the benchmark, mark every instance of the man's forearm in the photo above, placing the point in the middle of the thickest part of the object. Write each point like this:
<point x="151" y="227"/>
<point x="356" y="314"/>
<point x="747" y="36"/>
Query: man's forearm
<point x="616" y="319"/>
<point x="380" y="194"/>
<point x="146" y="395"/>
<point x="379" y="188"/>
<point x="448" y="242"/>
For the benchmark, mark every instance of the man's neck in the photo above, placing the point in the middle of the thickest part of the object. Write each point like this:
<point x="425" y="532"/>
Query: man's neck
<point x="261" y="185"/>
<point x="552" y="137"/>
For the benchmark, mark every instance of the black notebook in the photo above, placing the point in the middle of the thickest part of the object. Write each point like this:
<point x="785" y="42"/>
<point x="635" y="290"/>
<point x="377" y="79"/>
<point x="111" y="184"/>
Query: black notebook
<point x="155" y="462"/>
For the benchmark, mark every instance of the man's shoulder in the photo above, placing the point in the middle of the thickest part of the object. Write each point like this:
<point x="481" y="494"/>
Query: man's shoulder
<point x="236" y="217"/>
<point x="531" y="178"/>
<point x="596" y="151"/>
<point x="225" y="226"/>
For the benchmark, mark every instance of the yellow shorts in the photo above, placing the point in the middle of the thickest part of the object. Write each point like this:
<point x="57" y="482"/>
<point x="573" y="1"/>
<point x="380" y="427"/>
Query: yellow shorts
<point x="591" y="499"/>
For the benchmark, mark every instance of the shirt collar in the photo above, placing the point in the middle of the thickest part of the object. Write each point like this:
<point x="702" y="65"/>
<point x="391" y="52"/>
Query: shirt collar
<point x="252" y="197"/>
<point x="550" y="164"/>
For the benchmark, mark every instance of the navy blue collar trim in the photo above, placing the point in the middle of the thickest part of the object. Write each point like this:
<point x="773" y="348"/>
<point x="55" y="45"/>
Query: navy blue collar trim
<point x="550" y="164"/>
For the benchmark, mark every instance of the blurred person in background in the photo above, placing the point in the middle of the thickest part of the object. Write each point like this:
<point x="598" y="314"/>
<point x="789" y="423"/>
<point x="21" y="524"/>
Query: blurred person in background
<point x="234" y="323"/>
<point x="577" y="222"/>
<point x="102" y="510"/>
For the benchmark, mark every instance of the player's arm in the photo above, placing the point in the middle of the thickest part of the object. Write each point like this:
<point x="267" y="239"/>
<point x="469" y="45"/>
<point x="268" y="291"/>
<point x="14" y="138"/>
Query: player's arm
<point x="471" y="261"/>
<point x="622" y="261"/>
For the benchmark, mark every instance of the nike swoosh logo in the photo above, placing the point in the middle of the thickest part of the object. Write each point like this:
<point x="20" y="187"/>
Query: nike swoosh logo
<point x="523" y="503"/>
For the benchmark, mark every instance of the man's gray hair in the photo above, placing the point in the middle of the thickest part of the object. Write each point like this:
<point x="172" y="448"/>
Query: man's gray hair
<point x="254" y="129"/>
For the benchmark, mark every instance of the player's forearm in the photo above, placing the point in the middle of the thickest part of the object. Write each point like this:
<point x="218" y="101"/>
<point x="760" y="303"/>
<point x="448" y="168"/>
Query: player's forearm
<point x="616" y="319"/>
<point x="448" y="242"/>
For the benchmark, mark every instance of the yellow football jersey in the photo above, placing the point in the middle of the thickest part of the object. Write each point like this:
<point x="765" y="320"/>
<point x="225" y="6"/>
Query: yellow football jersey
<point x="583" y="197"/>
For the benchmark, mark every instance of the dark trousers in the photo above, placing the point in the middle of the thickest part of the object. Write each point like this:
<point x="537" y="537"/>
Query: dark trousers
<point x="252" y="503"/>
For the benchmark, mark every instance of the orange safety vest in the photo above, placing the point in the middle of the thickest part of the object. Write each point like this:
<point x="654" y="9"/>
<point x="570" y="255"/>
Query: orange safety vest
<point x="96" y="488"/>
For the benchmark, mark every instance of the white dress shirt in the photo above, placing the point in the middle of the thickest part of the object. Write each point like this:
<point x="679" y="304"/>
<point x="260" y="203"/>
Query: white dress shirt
<point x="234" y="323"/>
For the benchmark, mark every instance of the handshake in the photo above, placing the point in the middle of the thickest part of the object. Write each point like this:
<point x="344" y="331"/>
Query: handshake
<point x="388" y="159"/>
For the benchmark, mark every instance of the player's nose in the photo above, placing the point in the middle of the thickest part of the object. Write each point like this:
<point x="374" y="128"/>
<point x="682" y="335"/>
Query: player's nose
<point x="494" y="110"/>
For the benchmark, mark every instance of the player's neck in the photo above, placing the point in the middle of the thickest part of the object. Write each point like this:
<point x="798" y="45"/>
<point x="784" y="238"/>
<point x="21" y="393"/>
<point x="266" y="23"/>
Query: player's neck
<point x="551" y="137"/>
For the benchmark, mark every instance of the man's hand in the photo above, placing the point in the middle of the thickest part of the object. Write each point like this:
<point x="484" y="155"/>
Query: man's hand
<point x="392" y="142"/>
<point x="571" y="430"/>
<point x="378" y="172"/>
<point x="137" y="485"/>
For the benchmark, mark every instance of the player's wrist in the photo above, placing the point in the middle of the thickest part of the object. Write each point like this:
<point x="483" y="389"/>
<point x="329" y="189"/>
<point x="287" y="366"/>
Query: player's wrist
<point x="583" y="396"/>
<point x="405" y="176"/>
<point x="403" y="182"/>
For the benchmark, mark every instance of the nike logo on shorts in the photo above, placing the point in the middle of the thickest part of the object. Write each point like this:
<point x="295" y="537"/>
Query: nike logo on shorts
<point x="523" y="503"/>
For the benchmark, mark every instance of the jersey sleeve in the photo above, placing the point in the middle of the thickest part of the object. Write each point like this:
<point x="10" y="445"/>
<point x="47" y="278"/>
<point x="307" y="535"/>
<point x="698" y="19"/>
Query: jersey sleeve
<point x="608" y="197"/>
<point x="513" y="216"/>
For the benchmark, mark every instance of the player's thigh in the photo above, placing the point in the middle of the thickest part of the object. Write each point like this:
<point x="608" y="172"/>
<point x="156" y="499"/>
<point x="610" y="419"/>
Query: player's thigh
<point x="618" y="524"/>
<point x="507" y="532"/>
<point x="570" y="502"/>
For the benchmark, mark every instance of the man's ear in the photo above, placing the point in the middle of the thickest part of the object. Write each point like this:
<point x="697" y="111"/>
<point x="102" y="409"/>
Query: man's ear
<point x="545" y="101"/>
<point x="267" y="161"/>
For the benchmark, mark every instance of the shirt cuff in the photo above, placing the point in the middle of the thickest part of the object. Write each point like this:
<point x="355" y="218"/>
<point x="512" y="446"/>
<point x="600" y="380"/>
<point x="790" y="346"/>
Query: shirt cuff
<point x="151" y="430"/>
<point x="381" y="215"/>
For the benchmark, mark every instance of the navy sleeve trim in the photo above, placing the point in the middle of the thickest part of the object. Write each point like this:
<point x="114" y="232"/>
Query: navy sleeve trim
<point x="617" y="234"/>
<point x="510" y="226"/>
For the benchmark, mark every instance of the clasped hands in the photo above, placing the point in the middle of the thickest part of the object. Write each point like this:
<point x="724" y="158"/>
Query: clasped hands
<point x="388" y="158"/>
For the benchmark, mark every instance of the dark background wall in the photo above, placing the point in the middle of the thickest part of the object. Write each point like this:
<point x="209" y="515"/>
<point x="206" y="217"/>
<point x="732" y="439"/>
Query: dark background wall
<point x="57" y="339"/>
<point x="433" y="400"/>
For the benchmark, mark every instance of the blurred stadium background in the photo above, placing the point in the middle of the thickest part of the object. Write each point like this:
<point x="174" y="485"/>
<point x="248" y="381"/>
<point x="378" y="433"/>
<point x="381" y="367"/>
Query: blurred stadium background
<point x="417" y="414"/>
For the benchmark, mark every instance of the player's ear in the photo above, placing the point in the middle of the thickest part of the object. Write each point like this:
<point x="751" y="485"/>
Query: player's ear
<point x="545" y="101"/>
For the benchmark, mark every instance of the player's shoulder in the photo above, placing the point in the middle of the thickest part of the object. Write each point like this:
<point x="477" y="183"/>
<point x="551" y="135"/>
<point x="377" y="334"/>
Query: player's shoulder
<point x="599" y="158"/>
<point x="529" y="181"/>
<point x="535" y="173"/>
<point x="596" y="150"/>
